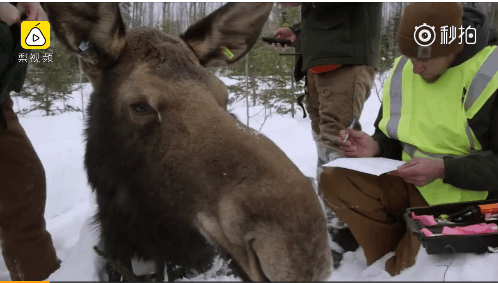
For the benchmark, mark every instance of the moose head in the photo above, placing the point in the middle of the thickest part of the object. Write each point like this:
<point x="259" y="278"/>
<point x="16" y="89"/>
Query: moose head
<point x="161" y="143"/>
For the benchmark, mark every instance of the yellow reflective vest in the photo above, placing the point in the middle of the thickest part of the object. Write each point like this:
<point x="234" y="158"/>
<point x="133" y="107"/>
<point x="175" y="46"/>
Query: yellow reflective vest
<point x="430" y="119"/>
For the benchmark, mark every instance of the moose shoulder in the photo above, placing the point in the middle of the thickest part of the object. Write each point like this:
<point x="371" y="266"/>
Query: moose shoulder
<point x="175" y="176"/>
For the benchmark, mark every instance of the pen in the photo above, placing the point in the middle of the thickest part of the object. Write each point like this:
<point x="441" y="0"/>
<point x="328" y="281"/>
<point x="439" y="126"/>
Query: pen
<point x="350" y="126"/>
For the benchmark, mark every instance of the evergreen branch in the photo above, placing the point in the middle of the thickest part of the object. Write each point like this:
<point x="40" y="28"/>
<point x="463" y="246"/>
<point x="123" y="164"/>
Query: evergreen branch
<point x="117" y="266"/>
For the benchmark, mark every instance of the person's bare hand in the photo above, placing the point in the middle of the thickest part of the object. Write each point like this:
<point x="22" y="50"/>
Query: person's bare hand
<point x="12" y="15"/>
<point x="9" y="14"/>
<point x="420" y="171"/>
<point x="358" y="144"/>
<point x="284" y="33"/>
<point x="32" y="10"/>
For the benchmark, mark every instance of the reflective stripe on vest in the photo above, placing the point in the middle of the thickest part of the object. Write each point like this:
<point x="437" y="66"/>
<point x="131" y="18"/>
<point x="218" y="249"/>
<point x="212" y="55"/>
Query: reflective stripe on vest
<point x="410" y="150"/>
<point x="396" y="99"/>
<point x="481" y="79"/>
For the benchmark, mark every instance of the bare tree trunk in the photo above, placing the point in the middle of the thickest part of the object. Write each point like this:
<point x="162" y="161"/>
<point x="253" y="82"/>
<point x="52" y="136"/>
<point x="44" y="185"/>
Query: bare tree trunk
<point x="165" y="21"/>
<point x="81" y="91"/>
<point x="169" y="17"/>
<point x="16" y="98"/>
<point x="144" y="13"/>
<point x="188" y="6"/>
<point x="266" y="115"/>
<point x="247" y="88"/>
<point x="133" y="15"/>
<point x="45" y="98"/>
<point x="203" y="9"/>
<point x="292" y="92"/>
<point x="188" y="13"/>
<point x="136" y="14"/>
<point x="181" y="15"/>
<point x="275" y="15"/>
<point x="141" y="14"/>
<point x="151" y="15"/>
<point x="253" y="90"/>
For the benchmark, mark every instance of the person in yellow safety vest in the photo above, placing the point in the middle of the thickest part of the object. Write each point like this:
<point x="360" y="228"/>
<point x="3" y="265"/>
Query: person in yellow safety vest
<point x="439" y="113"/>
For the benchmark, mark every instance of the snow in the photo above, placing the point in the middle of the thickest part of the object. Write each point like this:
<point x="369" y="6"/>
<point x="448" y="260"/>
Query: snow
<point x="59" y="142"/>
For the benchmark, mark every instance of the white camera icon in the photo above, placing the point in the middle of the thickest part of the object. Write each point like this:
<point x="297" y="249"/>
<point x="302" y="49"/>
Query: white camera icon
<point x="424" y="35"/>
<point x="470" y="35"/>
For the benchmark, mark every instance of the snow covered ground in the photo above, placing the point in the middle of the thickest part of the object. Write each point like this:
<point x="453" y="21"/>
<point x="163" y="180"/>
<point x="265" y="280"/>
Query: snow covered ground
<point x="70" y="204"/>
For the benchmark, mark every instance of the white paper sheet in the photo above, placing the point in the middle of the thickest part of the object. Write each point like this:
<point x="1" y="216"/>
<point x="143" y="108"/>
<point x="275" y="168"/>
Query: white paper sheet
<point x="370" y="165"/>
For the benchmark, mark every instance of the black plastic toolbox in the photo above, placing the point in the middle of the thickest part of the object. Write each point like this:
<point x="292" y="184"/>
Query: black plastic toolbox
<point x="450" y="243"/>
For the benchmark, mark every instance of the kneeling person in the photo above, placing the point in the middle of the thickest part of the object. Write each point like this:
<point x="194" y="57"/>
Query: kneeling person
<point x="440" y="114"/>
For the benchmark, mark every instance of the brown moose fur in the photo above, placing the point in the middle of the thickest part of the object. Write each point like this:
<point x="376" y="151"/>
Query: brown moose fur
<point x="168" y="163"/>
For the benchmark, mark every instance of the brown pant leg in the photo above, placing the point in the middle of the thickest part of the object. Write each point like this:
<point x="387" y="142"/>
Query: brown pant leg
<point x="342" y="94"/>
<point x="334" y="98"/>
<point x="312" y="105"/>
<point x="373" y="208"/>
<point x="409" y="246"/>
<point x="27" y="247"/>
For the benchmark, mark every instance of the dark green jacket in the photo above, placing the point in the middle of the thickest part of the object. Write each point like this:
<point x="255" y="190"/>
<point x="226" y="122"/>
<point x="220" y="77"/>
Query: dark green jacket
<point x="337" y="33"/>
<point x="477" y="173"/>
<point x="12" y="72"/>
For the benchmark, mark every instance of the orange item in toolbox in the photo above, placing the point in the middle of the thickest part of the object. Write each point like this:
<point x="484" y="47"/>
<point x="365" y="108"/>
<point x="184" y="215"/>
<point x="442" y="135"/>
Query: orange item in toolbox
<point x="323" y="69"/>
<point x="489" y="208"/>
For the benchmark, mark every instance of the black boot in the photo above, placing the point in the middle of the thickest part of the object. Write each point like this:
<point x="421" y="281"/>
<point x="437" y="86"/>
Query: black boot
<point x="342" y="236"/>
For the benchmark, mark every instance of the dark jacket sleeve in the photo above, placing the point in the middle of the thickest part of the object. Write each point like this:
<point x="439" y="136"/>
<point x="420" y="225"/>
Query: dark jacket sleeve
<point x="478" y="173"/>
<point x="389" y="148"/>
<point x="296" y="28"/>
<point x="12" y="72"/>
<point x="298" y="73"/>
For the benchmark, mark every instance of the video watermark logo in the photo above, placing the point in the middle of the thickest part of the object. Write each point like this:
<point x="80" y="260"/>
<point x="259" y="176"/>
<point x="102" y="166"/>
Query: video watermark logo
<point x="449" y="34"/>
<point x="425" y="35"/>
<point x="35" y="57"/>
<point x="35" y="34"/>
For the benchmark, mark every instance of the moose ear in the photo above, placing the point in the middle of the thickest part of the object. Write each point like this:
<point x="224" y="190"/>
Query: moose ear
<point x="227" y="34"/>
<point x="95" y="31"/>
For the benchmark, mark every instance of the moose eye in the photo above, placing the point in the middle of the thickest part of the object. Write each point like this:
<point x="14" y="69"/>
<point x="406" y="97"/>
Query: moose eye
<point x="142" y="108"/>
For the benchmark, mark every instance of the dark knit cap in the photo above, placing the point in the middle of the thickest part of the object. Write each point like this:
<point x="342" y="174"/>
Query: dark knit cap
<point x="421" y="24"/>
